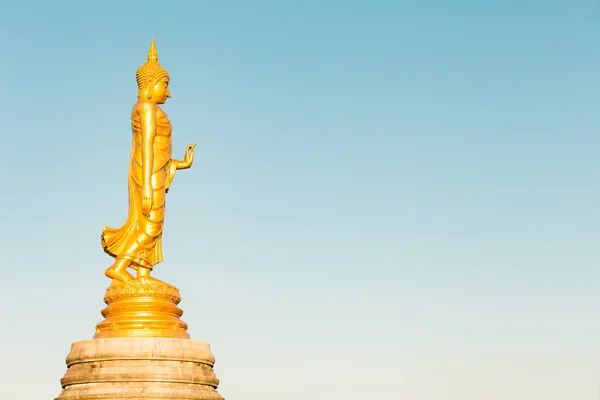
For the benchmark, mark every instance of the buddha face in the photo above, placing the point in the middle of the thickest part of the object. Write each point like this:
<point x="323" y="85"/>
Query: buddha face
<point x="160" y="91"/>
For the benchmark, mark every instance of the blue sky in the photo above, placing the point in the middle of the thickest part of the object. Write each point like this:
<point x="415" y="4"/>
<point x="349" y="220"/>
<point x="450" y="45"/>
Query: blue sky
<point x="393" y="200"/>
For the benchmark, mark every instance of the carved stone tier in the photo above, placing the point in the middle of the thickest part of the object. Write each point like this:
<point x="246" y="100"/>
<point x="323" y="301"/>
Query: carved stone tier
<point x="140" y="369"/>
<point x="142" y="308"/>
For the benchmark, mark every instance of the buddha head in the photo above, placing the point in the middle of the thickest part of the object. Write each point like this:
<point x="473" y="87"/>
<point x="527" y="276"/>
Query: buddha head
<point x="152" y="79"/>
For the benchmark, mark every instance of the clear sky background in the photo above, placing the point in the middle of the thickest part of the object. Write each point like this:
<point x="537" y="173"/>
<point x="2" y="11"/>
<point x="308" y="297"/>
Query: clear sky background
<point x="390" y="199"/>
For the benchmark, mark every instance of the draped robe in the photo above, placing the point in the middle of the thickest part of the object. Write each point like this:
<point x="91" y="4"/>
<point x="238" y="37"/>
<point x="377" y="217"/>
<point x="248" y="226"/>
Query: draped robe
<point x="140" y="239"/>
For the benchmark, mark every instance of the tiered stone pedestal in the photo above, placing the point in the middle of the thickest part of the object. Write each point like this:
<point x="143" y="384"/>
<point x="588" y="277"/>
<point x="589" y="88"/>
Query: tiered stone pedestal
<point x="140" y="368"/>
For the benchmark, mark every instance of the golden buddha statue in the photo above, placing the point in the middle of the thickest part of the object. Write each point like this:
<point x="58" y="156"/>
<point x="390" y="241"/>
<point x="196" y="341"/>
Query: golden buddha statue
<point x="142" y="305"/>
<point x="138" y="243"/>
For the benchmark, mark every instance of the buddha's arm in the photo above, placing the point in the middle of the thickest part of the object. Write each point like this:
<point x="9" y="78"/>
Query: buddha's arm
<point x="147" y="111"/>
<point x="181" y="164"/>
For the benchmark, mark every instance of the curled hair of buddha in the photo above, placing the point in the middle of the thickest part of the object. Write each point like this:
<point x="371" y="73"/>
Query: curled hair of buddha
<point x="151" y="70"/>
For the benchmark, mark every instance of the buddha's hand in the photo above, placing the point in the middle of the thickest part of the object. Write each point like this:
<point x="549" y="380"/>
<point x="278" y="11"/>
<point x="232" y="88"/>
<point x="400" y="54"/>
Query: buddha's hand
<point x="189" y="155"/>
<point x="146" y="201"/>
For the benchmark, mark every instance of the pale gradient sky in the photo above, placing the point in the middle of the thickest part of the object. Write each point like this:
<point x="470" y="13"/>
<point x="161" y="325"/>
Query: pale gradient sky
<point x="390" y="200"/>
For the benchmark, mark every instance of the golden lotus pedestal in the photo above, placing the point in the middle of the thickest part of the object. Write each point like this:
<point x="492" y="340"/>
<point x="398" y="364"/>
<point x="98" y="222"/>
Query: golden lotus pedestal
<point x="140" y="351"/>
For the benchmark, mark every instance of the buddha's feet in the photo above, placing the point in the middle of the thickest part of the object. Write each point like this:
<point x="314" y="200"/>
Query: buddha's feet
<point x="150" y="280"/>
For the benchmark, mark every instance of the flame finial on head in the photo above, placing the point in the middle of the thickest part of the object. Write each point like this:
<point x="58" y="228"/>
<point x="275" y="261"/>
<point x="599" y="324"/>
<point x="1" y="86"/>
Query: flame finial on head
<point x="151" y="72"/>
<point x="152" y="53"/>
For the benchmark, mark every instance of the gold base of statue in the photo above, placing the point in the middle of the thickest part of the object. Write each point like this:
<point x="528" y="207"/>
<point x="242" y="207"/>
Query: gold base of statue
<point x="138" y="368"/>
<point x="142" y="308"/>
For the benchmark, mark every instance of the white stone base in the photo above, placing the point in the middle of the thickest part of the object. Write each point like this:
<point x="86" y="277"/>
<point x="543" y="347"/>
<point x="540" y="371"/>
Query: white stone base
<point x="140" y="368"/>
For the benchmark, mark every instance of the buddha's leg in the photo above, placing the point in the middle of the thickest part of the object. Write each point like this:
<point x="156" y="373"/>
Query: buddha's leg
<point x="149" y="239"/>
<point x="118" y="270"/>
<point x="144" y="273"/>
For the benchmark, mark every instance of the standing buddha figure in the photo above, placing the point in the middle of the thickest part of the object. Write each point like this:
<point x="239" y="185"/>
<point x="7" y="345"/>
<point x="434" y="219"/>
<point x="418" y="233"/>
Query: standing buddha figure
<point x="138" y="243"/>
